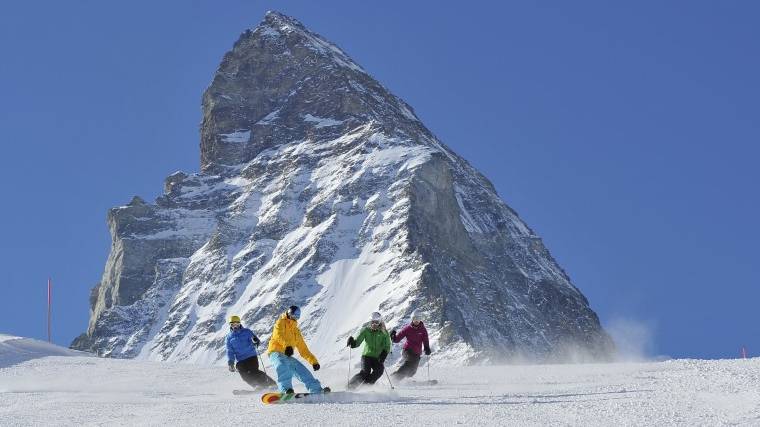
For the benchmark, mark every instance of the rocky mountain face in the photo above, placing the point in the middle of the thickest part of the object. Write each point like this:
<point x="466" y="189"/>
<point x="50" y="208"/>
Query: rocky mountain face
<point x="320" y="188"/>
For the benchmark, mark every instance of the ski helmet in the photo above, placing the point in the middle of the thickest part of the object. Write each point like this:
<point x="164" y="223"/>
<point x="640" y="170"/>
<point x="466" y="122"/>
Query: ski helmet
<point x="234" y="319"/>
<point x="294" y="312"/>
<point x="375" y="317"/>
<point x="416" y="316"/>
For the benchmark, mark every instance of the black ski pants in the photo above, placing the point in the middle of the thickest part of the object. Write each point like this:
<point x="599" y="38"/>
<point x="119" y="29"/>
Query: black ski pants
<point x="249" y="371"/>
<point x="371" y="371"/>
<point x="409" y="367"/>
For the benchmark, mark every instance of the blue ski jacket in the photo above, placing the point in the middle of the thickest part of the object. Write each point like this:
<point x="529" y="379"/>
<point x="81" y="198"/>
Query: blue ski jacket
<point x="240" y="345"/>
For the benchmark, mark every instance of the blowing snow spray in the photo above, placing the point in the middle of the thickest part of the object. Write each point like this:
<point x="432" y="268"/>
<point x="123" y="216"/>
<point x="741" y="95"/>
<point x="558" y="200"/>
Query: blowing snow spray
<point x="744" y="352"/>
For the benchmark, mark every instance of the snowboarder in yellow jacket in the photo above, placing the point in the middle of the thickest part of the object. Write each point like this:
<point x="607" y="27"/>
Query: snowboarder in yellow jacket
<point x="285" y="337"/>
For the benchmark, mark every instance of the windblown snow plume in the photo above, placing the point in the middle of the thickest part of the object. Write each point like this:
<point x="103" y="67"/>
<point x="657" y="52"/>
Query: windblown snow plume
<point x="320" y="188"/>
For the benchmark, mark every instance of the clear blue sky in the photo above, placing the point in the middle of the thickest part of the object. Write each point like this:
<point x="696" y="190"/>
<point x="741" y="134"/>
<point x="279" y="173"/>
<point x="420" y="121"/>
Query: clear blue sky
<point x="626" y="134"/>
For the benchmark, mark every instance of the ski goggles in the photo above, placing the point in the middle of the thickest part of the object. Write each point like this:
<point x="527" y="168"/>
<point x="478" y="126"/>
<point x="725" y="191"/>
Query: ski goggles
<point x="235" y="325"/>
<point x="374" y="323"/>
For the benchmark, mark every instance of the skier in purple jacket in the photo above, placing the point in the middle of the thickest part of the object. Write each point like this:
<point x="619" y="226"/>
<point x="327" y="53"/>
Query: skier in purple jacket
<point x="416" y="337"/>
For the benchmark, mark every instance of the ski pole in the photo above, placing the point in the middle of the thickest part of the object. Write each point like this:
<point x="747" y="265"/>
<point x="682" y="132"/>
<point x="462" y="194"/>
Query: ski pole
<point x="348" y="378"/>
<point x="389" y="377"/>
<point x="262" y="363"/>
<point x="428" y="368"/>
<point x="260" y="359"/>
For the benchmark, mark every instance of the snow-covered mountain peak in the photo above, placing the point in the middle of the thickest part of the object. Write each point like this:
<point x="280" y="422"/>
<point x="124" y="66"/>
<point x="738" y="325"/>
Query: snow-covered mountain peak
<point x="282" y="82"/>
<point x="320" y="188"/>
<point x="277" y="25"/>
<point x="281" y="23"/>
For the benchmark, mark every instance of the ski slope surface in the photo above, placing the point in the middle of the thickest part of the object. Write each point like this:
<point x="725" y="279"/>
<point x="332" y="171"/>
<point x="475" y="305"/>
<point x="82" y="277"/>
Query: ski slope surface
<point x="55" y="386"/>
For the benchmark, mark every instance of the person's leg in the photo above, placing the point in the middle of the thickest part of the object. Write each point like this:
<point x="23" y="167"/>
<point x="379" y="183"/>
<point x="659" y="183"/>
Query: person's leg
<point x="414" y="362"/>
<point x="302" y="373"/>
<point x="284" y="371"/>
<point x="266" y="381"/>
<point x="249" y="370"/>
<point x="356" y="380"/>
<point x="361" y="377"/>
<point x="402" y="371"/>
<point x="377" y="370"/>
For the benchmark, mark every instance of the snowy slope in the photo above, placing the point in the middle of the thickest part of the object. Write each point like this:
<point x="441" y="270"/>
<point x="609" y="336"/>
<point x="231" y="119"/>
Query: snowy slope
<point x="93" y="391"/>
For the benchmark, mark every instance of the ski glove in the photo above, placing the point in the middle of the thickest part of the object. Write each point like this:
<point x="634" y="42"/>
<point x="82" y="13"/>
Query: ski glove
<point x="427" y="352"/>
<point x="288" y="351"/>
<point x="256" y="341"/>
<point x="383" y="355"/>
<point x="393" y="335"/>
<point x="315" y="366"/>
<point x="351" y="342"/>
<point x="231" y="366"/>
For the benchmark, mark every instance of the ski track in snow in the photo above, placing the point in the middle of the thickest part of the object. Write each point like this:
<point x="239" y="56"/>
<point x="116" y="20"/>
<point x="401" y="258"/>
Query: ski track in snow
<point x="76" y="390"/>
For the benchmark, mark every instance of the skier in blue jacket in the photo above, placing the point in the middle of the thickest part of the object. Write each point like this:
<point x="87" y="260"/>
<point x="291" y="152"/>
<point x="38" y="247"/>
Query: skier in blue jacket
<point x="241" y="346"/>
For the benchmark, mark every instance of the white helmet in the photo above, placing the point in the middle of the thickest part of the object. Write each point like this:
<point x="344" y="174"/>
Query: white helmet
<point x="375" y="317"/>
<point x="416" y="316"/>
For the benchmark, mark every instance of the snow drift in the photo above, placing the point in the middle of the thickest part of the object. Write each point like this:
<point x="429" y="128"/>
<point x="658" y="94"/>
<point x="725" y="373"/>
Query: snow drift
<point x="14" y="350"/>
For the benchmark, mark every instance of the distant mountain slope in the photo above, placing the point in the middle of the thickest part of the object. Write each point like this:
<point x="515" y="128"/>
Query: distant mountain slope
<point x="14" y="350"/>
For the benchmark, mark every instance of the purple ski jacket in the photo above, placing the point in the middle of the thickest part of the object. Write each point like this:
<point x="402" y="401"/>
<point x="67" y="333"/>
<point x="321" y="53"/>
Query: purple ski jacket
<point x="416" y="337"/>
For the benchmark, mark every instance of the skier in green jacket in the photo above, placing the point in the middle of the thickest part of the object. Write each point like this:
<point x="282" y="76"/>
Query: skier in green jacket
<point x="377" y="345"/>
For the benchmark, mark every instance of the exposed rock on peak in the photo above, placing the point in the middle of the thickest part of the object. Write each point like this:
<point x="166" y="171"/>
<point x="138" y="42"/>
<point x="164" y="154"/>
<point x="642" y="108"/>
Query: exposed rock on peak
<point x="282" y="82"/>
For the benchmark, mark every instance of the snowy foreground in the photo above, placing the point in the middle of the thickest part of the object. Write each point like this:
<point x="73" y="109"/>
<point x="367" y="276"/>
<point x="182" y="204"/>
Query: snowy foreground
<point x="70" y="388"/>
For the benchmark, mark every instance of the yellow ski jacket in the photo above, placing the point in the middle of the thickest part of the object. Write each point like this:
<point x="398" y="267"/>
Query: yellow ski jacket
<point x="286" y="334"/>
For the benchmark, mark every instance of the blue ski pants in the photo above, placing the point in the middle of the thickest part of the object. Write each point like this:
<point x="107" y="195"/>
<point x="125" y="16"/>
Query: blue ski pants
<point x="287" y="368"/>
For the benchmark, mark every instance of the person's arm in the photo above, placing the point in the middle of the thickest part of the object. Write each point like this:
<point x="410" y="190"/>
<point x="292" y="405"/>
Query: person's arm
<point x="254" y="338"/>
<point x="401" y="335"/>
<point x="278" y="333"/>
<point x="230" y="351"/>
<point x="303" y="350"/>
<point x="230" y="354"/>
<point x="360" y="338"/>
<point x="387" y="343"/>
<point x="386" y="348"/>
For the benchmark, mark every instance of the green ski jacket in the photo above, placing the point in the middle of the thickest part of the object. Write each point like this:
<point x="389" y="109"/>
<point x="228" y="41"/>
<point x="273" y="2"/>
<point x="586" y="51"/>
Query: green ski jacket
<point x="374" y="341"/>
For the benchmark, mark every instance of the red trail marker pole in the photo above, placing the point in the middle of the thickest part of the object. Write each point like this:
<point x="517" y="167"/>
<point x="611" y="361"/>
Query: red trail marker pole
<point x="49" y="308"/>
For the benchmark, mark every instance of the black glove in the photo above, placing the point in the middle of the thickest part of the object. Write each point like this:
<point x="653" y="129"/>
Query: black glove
<point x="288" y="351"/>
<point x="315" y="366"/>
<point x="382" y="356"/>
<point x="427" y="352"/>
<point x="393" y="335"/>
<point x="256" y="341"/>
<point x="351" y="342"/>
<point x="231" y="366"/>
